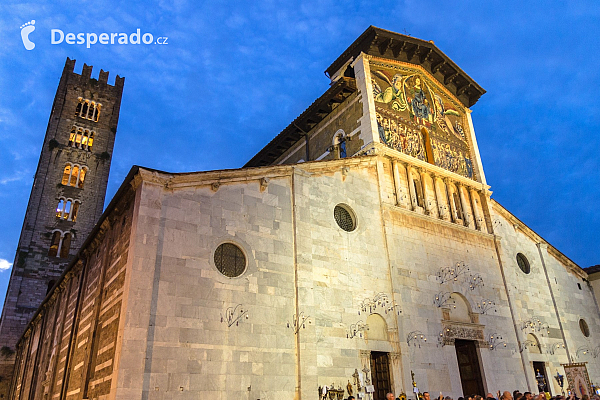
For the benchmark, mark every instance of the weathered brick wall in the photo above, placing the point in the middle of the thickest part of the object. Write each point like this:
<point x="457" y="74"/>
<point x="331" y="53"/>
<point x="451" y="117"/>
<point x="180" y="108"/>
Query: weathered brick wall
<point x="79" y="321"/>
<point x="34" y="271"/>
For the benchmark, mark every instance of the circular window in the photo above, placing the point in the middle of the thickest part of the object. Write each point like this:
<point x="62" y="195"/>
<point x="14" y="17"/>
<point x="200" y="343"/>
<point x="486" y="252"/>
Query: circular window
<point x="344" y="217"/>
<point x="585" y="329"/>
<point x="230" y="260"/>
<point x="523" y="263"/>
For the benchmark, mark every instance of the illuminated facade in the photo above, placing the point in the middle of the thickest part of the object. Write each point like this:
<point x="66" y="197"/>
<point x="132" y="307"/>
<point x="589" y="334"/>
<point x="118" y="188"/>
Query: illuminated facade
<point x="359" y="248"/>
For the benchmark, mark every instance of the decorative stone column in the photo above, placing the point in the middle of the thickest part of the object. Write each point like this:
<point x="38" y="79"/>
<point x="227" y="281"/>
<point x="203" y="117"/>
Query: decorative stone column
<point x="478" y="219"/>
<point x="453" y="212"/>
<point x="426" y="206"/>
<point x="411" y="188"/>
<point x="463" y="204"/>
<point x="438" y="198"/>
<point x="396" y="165"/>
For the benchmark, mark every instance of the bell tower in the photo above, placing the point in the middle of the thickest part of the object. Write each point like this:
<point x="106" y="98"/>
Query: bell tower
<point x="67" y="197"/>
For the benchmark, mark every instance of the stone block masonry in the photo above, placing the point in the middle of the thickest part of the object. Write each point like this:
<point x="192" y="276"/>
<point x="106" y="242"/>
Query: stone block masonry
<point x="142" y="313"/>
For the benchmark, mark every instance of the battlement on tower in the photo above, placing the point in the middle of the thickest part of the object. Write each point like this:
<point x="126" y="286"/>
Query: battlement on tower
<point x="86" y="76"/>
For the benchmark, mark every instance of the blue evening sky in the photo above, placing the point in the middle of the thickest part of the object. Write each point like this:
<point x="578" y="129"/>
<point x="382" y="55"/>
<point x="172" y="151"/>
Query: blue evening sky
<point x="235" y="73"/>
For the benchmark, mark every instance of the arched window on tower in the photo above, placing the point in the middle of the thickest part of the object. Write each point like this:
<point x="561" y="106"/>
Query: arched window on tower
<point x="81" y="179"/>
<point x="54" y="244"/>
<point x="78" y="138"/>
<point x="84" y="139"/>
<point x="81" y="138"/>
<point x="65" y="246"/>
<point x="88" y="109"/>
<point x="66" y="175"/>
<point x="90" y="141"/>
<point x="74" y="176"/>
<point x="67" y="210"/>
<point x="72" y="136"/>
<point x="60" y="208"/>
<point x="84" y="109"/>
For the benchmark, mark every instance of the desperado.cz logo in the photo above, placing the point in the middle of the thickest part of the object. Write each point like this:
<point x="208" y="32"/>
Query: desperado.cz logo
<point x="57" y="36"/>
<point x="26" y="29"/>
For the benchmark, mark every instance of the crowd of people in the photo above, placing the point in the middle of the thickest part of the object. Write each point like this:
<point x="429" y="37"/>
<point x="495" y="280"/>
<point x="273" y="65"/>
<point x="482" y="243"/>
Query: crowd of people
<point x="516" y="395"/>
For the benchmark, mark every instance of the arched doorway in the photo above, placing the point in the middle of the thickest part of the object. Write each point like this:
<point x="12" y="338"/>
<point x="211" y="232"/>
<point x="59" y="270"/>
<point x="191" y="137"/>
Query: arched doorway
<point x="467" y="355"/>
<point x="380" y="360"/>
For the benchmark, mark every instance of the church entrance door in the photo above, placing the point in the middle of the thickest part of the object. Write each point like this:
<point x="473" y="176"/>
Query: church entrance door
<point x="540" y="376"/>
<point x="380" y="373"/>
<point x="468" y="366"/>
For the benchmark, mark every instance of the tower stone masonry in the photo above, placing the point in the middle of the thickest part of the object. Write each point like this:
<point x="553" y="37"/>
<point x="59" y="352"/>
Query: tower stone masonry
<point x="67" y="197"/>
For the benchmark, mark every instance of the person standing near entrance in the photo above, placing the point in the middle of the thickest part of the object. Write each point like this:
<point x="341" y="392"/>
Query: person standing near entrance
<point x="389" y="396"/>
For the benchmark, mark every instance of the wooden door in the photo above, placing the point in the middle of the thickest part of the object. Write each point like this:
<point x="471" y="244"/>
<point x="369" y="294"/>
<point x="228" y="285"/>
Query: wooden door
<point x="468" y="366"/>
<point x="380" y="374"/>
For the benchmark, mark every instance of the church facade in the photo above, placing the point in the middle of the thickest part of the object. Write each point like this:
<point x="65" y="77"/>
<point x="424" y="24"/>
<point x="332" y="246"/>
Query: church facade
<point x="359" y="252"/>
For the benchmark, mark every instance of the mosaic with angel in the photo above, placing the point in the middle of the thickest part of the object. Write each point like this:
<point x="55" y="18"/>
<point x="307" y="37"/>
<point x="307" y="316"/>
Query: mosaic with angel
<point x="417" y="118"/>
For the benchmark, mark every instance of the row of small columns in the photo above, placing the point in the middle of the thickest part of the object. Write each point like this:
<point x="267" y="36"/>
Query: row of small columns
<point x="454" y="217"/>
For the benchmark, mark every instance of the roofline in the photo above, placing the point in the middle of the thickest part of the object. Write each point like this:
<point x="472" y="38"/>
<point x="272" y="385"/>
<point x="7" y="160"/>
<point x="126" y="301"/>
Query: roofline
<point x="395" y="46"/>
<point x="311" y="117"/>
<point x="538" y="238"/>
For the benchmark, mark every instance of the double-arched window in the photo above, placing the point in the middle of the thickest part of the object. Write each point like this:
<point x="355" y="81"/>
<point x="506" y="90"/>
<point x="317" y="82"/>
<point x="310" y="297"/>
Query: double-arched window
<point x="88" y="109"/>
<point x="60" y="244"/>
<point x="81" y="138"/>
<point x="67" y="209"/>
<point x="74" y="175"/>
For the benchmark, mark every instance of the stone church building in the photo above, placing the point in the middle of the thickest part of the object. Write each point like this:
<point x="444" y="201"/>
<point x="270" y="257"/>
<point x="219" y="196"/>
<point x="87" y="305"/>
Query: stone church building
<point x="359" y="252"/>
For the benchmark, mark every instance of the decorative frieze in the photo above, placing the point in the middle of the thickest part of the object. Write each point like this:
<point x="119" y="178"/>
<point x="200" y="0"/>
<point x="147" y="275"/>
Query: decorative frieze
<point x="453" y="330"/>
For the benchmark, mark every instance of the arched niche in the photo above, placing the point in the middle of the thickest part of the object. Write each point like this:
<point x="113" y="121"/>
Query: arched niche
<point x="534" y="344"/>
<point x="378" y="329"/>
<point x="460" y="309"/>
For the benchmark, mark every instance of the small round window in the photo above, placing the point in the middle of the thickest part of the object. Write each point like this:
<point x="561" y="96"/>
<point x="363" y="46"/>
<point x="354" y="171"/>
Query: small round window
<point x="523" y="263"/>
<point x="230" y="260"/>
<point x="585" y="329"/>
<point x="344" y="217"/>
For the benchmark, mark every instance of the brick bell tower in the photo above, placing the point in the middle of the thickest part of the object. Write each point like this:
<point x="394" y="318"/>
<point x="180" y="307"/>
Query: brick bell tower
<point x="66" y="200"/>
